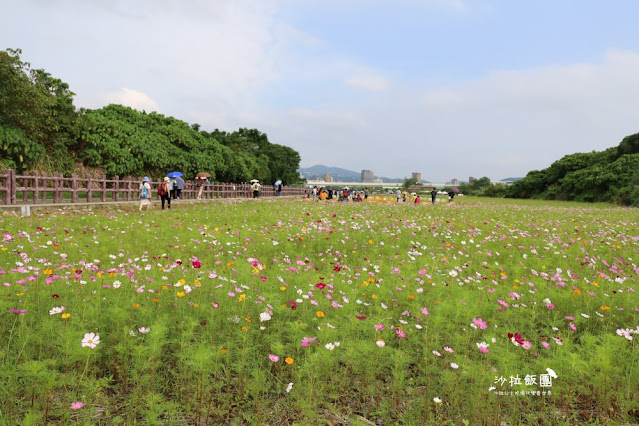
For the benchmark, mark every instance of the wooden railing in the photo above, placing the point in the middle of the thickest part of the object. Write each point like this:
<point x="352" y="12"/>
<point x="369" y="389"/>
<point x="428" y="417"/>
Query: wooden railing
<point x="37" y="188"/>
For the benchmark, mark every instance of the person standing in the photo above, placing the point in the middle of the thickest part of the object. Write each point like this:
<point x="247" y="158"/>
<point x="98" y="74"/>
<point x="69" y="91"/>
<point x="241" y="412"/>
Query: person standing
<point x="256" y="189"/>
<point x="164" y="191"/>
<point x="199" y="182"/>
<point x="314" y="193"/>
<point x="398" y="194"/>
<point x="433" y="195"/>
<point x="145" y="193"/>
<point x="172" y="187"/>
<point x="179" y="186"/>
<point x="278" y="190"/>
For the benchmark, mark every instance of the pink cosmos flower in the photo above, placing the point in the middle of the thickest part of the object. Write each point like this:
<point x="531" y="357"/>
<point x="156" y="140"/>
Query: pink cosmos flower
<point x="545" y="344"/>
<point x="77" y="405"/>
<point x="273" y="358"/>
<point x="306" y="341"/>
<point x="18" y="311"/>
<point x="378" y="327"/>
<point x="526" y="345"/>
<point x="425" y="311"/>
<point x="483" y="347"/>
<point x="448" y="349"/>
<point x="550" y="306"/>
<point x="400" y="333"/>
<point x="479" y="323"/>
<point x="573" y="326"/>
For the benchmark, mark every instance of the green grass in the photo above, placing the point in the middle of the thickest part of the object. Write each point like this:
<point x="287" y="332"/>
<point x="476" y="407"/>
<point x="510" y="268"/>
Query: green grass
<point x="353" y="273"/>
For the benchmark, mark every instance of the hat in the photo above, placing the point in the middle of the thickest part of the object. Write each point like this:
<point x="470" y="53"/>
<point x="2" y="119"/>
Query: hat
<point x="166" y="179"/>
<point x="145" y="179"/>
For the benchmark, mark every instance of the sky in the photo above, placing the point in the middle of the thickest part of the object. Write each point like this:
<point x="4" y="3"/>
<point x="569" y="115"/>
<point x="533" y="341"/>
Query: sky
<point x="447" y="88"/>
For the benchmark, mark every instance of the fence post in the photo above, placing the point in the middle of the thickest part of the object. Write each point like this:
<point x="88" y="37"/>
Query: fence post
<point x="116" y="190"/>
<point x="11" y="183"/>
<point x="25" y="193"/>
<point x="36" y="188"/>
<point x="104" y="188"/>
<point x="74" y="188"/>
<point x="89" y="189"/>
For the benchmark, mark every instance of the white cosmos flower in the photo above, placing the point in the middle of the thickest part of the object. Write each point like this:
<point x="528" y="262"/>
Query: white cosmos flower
<point x="454" y="365"/>
<point x="289" y="387"/>
<point x="56" y="310"/>
<point x="264" y="316"/>
<point x="437" y="400"/>
<point x="91" y="340"/>
<point x="380" y="343"/>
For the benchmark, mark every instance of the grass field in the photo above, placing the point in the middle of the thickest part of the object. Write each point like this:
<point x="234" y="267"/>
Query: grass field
<point x="286" y="311"/>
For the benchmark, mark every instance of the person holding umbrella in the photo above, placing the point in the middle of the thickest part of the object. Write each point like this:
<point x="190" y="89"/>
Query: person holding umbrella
<point x="173" y="183"/>
<point x="200" y="179"/>
<point x="255" y="186"/>
<point x="278" y="188"/>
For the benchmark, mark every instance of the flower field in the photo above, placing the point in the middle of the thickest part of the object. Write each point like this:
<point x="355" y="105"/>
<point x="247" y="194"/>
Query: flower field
<point x="286" y="311"/>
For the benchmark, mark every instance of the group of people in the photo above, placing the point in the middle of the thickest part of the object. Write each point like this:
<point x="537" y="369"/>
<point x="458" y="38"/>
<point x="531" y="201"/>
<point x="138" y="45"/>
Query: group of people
<point x="344" y="194"/>
<point x="169" y="188"/>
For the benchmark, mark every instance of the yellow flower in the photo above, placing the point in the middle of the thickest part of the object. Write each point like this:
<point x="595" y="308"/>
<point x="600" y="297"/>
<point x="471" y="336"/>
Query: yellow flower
<point x="320" y="314"/>
<point x="4" y="249"/>
<point x="241" y="298"/>
<point x="19" y="294"/>
<point x="66" y="315"/>
<point x="605" y="308"/>
<point x="374" y="296"/>
<point x="165" y="287"/>
<point x="289" y="360"/>
<point x="283" y="288"/>
<point x="230" y="264"/>
<point x="180" y="294"/>
<point x="195" y="305"/>
<point x="370" y="241"/>
<point x="48" y="272"/>
<point x="113" y="274"/>
<point x="256" y="271"/>
<point x="197" y="283"/>
<point x="181" y="281"/>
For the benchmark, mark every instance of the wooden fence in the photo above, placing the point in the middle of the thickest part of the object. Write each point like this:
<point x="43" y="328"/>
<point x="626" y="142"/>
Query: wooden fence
<point x="36" y="188"/>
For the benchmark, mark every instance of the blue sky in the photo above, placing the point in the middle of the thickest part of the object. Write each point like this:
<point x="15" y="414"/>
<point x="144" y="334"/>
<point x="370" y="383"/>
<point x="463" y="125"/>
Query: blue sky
<point x="448" y="88"/>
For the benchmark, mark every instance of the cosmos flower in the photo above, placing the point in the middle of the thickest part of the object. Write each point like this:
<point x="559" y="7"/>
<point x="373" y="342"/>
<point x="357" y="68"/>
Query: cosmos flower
<point x="91" y="340"/>
<point x="483" y="347"/>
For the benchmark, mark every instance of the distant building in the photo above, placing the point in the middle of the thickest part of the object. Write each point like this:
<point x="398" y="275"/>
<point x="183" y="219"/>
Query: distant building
<point x="454" y="181"/>
<point x="367" y="176"/>
<point x="328" y="178"/>
<point x="417" y="176"/>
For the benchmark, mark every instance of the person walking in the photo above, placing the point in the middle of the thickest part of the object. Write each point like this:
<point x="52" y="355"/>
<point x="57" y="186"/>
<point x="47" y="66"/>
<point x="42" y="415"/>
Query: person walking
<point x="164" y="191"/>
<point x="398" y="194"/>
<point x="179" y="186"/>
<point x="433" y="195"/>
<point x="145" y="193"/>
<point x="199" y="182"/>
<point x="314" y="193"/>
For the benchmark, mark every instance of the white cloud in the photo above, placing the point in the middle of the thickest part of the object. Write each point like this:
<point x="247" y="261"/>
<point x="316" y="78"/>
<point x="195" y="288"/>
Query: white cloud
<point x="374" y="83"/>
<point x="132" y="98"/>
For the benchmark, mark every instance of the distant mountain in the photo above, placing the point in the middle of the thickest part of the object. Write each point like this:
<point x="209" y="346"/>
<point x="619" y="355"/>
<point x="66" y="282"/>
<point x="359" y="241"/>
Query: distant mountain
<point x="339" y="175"/>
<point x="511" y="179"/>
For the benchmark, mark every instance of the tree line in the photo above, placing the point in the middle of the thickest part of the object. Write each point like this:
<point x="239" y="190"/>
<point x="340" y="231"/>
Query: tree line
<point x="40" y="129"/>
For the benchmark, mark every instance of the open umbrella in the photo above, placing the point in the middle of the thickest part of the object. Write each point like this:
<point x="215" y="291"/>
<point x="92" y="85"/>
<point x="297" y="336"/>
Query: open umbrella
<point x="175" y="174"/>
<point x="203" y="175"/>
<point x="277" y="182"/>
<point x="454" y="189"/>
<point x="254" y="180"/>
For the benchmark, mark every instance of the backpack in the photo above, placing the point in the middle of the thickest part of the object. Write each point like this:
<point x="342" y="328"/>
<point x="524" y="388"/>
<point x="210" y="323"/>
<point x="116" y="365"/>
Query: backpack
<point x="145" y="192"/>
<point x="162" y="189"/>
